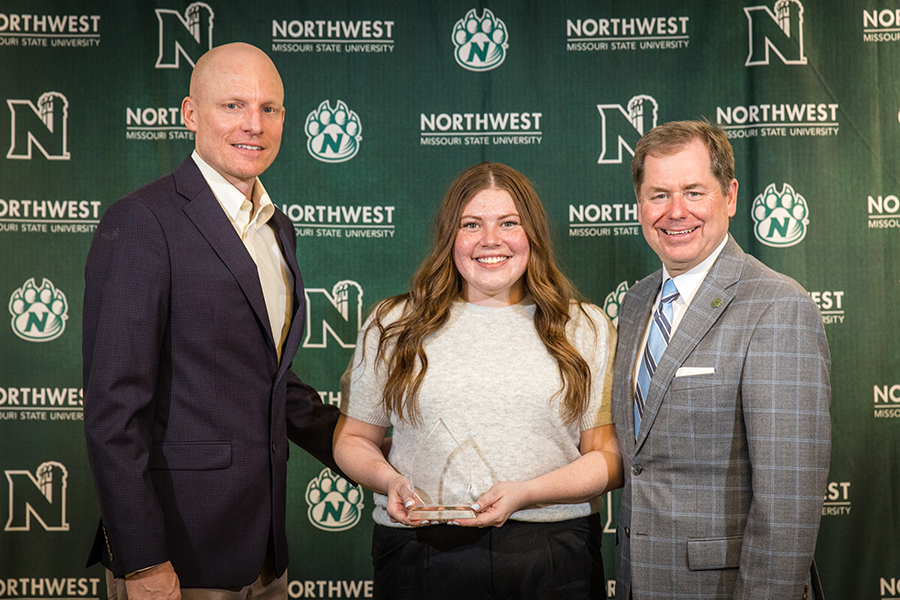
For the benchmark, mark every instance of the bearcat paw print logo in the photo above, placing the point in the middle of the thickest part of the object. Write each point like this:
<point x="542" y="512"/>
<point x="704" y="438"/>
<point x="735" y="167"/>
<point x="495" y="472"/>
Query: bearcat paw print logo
<point x="334" y="504"/>
<point x="613" y="302"/>
<point x="39" y="314"/>
<point x="333" y="133"/>
<point x="480" y="41"/>
<point x="780" y="218"/>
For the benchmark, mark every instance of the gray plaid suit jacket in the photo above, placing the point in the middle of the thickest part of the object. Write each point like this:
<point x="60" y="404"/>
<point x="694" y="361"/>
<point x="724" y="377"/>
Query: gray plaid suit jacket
<point x="725" y="482"/>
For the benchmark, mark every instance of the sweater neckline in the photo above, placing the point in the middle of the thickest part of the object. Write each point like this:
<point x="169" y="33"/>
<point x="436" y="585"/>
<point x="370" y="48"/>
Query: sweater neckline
<point x="524" y="304"/>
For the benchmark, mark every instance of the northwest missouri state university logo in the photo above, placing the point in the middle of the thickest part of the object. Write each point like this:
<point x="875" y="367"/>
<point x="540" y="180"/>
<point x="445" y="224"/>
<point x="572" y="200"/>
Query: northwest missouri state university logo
<point x="471" y="128"/>
<point x="480" y="42"/>
<point x="320" y="35"/>
<point x="889" y="587"/>
<point x="33" y="30"/>
<point x="188" y="35"/>
<point x="333" y="134"/>
<point x="831" y="305"/>
<point x="837" y="499"/>
<point x="155" y="123"/>
<point x="26" y="215"/>
<point x="613" y="302"/>
<point x="629" y="33"/>
<point x="603" y="220"/>
<point x="780" y="218"/>
<point x="884" y="211"/>
<point x="887" y="401"/>
<point x="335" y="313"/>
<point x="39" y="314"/>
<point x="767" y="120"/>
<point x="44" y="126"/>
<point x="881" y="25"/>
<point x="334" y="504"/>
<point x="779" y="31"/>
<point x="41" y="495"/>
<point x="335" y="221"/>
<point x="622" y="126"/>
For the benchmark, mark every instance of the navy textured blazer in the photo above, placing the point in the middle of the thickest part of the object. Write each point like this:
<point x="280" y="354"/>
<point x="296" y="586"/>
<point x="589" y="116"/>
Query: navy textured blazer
<point x="187" y="411"/>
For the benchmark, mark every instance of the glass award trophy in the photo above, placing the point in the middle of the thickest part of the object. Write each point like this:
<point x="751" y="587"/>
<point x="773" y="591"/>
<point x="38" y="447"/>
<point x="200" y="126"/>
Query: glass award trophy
<point x="442" y="478"/>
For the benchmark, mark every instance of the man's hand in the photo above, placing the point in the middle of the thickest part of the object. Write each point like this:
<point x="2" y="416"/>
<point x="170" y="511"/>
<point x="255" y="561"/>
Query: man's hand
<point x="157" y="583"/>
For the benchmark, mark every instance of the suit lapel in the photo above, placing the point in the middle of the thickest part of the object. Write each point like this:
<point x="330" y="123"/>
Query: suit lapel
<point x="284" y="231"/>
<point x="204" y="210"/>
<point x="708" y="304"/>
<point x="644" y="295"/>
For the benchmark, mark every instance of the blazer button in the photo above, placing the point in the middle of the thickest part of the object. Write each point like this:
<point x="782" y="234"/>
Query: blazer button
<point x="628" y="532"/>
<point x="637" y="469"/>
<point x="273" y="447"/>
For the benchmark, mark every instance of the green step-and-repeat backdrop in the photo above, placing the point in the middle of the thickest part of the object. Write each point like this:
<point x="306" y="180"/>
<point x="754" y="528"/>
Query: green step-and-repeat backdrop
<point x="387" y="101"/>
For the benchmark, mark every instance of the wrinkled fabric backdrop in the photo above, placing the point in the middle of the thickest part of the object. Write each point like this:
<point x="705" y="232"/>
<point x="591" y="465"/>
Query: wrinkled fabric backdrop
<point x="386" y="103"/>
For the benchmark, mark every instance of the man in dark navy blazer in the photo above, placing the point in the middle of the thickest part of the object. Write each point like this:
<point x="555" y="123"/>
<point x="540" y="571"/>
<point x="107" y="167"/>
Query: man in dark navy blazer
<point x="193" y="311"/>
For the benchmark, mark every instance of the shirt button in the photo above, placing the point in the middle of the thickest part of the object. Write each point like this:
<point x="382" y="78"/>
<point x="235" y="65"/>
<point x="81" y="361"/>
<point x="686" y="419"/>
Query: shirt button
<point x="637" y="469"/>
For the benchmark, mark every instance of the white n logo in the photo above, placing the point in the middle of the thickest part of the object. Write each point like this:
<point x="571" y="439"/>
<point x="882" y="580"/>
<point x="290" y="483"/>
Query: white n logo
<point x="621" y="128"/>
<point x="43" y="497"/>
<point x="338" y="313"/>
<point x="189" y="36"/>
<point x="781" y="32"/>
<point x="45" y="126"/>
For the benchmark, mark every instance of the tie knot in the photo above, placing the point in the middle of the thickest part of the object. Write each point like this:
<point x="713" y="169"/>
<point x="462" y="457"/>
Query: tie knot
<point x="669" y="292"/>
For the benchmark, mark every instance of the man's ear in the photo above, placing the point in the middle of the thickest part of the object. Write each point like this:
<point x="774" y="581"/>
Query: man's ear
<point x="731" y="197"/>
<point x="189" y="113"/>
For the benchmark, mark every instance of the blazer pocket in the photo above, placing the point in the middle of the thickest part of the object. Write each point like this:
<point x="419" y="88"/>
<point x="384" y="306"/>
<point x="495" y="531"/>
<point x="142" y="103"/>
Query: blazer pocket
<point x="190" y="456"/>
<point x="717" y="553"/>
<point x="694" y="371"/>
<point x="697" y="381"/>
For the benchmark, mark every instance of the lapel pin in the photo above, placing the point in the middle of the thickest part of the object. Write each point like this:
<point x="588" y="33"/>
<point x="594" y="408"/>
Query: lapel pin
<point x="717" y="303"/>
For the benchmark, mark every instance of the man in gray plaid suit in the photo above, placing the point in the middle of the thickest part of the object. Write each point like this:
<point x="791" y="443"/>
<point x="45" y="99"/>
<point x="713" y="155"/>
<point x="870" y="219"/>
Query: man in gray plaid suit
<point x="725" y="432"/>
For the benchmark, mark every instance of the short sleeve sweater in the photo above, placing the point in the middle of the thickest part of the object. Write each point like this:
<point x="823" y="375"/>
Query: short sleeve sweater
<point x="495" y="386"/>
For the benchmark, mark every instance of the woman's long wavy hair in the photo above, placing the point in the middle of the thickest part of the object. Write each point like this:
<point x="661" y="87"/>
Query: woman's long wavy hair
<point x="437" y="284"/>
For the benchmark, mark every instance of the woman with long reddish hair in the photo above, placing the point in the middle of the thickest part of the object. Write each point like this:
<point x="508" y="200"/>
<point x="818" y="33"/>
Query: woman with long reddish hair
<point x="490" y="340"/>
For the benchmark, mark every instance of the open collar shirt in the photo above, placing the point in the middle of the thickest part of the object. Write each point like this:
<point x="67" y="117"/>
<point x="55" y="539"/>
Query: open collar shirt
<point x="258" y="237"/>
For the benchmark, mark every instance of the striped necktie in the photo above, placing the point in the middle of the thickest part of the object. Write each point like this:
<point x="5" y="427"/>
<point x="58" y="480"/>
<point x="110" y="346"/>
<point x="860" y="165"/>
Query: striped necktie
<point x="660" y="331"/>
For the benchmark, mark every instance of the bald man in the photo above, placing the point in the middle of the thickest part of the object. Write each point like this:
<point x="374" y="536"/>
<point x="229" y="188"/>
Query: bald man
<point x="193" y="311"/>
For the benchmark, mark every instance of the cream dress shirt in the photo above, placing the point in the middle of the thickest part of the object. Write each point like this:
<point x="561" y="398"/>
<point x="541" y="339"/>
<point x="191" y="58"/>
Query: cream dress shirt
<point x="275" y="276"/>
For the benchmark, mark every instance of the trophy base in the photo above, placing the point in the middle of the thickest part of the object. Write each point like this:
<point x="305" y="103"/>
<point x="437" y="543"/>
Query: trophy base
<point x="440" y="513"/>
